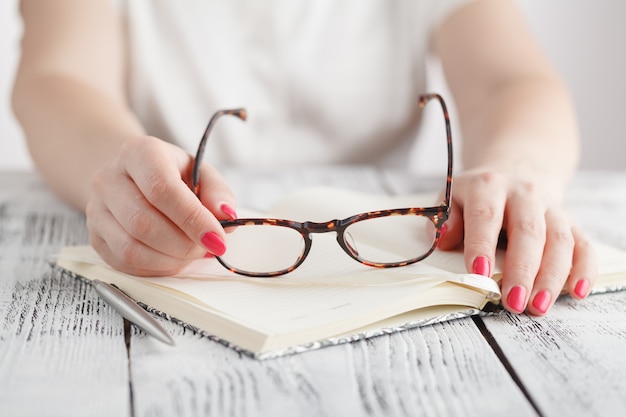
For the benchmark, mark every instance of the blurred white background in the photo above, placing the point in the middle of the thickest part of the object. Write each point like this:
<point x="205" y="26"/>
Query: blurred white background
<point x="584" y="39"/>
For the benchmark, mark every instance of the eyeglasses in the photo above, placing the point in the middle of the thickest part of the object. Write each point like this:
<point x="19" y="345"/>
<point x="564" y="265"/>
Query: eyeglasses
<point x="266" y="247"/>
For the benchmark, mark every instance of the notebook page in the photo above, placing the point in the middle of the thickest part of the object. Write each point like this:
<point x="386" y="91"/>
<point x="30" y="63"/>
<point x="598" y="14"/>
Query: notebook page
<point x="329" y="287"/>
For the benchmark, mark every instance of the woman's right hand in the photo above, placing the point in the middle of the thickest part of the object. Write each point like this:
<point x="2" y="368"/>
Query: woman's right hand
<point x="142" y="217"/>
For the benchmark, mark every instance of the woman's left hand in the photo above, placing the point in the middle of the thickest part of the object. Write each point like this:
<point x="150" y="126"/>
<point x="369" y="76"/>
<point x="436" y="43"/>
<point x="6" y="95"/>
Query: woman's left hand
<point x="546" y="251"/>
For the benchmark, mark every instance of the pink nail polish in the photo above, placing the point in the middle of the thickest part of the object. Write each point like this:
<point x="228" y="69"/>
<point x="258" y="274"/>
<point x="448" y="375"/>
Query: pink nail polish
<point x="517" y="298"/>
<point x="214" y="243"/>
<point x="482" y="266"/>
<point x="542" y="301"/>
<point x="229" y="211"/>
<point x="582" y="288"/>
<point x="209" y="255"/>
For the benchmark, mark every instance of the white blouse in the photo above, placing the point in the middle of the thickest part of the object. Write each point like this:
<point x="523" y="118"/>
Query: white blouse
<point x="322" y="81"/>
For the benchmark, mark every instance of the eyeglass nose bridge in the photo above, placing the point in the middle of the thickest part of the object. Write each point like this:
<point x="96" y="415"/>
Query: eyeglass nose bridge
<point x="338" y="226"/>
<point x="323" y="227"/>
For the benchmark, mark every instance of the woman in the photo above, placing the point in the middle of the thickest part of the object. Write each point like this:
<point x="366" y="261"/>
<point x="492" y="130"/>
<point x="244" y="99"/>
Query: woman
<point x="112" y="97"/>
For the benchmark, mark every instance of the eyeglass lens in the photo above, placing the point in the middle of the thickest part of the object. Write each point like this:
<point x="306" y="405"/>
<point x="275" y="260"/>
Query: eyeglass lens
<point x="266" y="249"/>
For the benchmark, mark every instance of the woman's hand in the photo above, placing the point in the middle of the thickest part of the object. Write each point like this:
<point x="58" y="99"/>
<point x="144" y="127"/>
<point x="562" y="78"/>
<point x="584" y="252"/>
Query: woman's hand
<point x="545" y="253"/>
<point x="143" y="218"/>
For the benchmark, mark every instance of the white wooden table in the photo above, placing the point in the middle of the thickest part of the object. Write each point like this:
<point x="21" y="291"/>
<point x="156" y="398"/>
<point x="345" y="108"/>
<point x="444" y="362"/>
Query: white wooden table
<point x="63" y="352"/>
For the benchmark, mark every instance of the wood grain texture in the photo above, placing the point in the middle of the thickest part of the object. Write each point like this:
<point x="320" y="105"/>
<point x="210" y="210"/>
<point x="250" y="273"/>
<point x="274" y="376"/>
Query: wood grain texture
<point x="444" y="370"/>
<point x="571" y="361"/>
<point x="62" y="351"/>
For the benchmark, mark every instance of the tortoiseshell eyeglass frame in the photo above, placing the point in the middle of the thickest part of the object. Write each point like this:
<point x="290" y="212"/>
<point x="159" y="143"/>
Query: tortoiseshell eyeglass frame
<point x="437" y="214"/>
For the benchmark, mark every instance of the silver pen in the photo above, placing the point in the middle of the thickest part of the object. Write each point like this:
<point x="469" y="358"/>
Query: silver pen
<point x="128" y="308"/>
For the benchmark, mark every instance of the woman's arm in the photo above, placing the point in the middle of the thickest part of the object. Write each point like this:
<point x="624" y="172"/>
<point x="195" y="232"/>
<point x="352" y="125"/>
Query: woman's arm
<point x="515" y="111"/>
<point x="69" y="96"/>
<point x="69" y="92"/>
<point x="520" y="149"/>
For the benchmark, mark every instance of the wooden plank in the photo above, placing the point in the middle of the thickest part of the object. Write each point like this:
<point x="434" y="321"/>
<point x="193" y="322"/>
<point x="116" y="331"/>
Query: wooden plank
<point x="571" y="361"/>
<point x="62" y="351"/>
<point x="446" y="370"/>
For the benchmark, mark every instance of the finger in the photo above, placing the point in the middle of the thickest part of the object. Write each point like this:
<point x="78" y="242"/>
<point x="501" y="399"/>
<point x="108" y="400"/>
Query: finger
<point x="555" y="264"/>
<point x="215" y="194"/>
<point x="127" y="254"/>
<point x="584" y="271"/>
<point x="156" y="169"/>
<point x="140" y="220"/>
<point x="483" y="215"/>
<point x="525" y="225"/>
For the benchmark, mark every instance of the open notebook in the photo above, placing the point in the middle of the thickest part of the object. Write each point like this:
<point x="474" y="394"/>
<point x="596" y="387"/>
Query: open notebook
<point x="330" y="299"/>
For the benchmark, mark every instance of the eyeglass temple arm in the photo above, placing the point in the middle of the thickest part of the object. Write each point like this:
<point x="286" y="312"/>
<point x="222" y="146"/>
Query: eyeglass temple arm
<point x="423" y="100"/>
<point x="195" y="175"/>
<point x="241" y="113"/>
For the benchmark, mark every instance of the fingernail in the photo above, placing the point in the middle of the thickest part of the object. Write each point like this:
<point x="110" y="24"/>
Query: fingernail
<point x="214" y="243"/>
<point x="481" y="266"/>
<point x="517" y="298"/>
<point x="209" y="255"/>
<point x="582" y="288"/>
<point x="542" y="301"/>
<point x="229" y="211"/>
